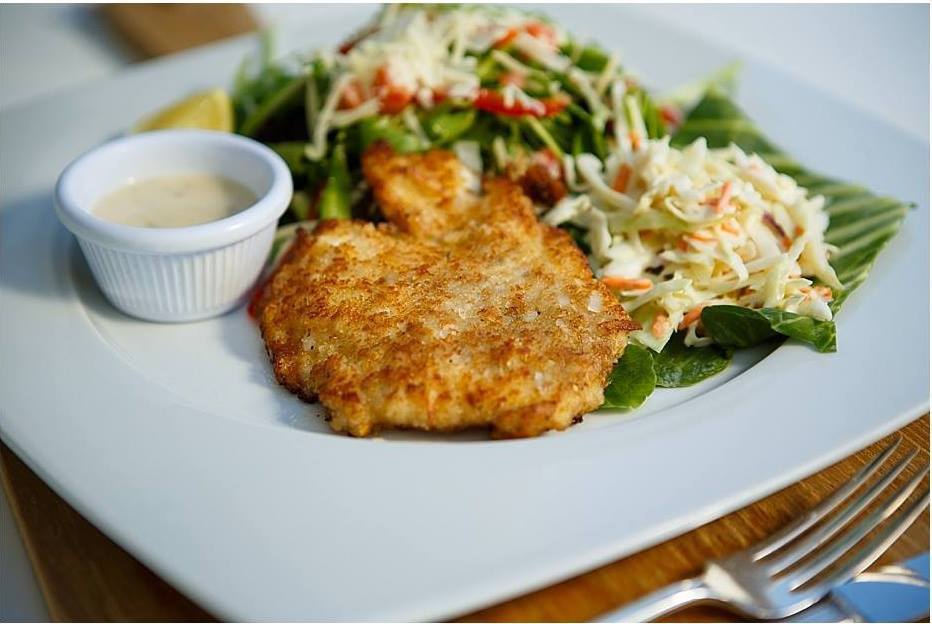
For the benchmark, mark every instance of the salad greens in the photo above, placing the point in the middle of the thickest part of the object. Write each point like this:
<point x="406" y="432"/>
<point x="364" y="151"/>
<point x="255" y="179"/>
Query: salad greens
<point x="632" y="380"/>
<point x="534" y="94"/>
<point x="679" y="365"/>
<point x="282" y="104"/>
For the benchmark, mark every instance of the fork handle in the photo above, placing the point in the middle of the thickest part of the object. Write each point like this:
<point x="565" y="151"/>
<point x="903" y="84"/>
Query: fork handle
<point x="665" y="600"/>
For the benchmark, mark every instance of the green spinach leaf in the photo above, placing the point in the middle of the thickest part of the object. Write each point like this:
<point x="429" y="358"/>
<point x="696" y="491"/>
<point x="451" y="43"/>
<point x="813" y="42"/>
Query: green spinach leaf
<point x="820" y="334"/>
<point x="632" y="380"/>
<point x="734" y="326"/>
<point x="678" y="365"/>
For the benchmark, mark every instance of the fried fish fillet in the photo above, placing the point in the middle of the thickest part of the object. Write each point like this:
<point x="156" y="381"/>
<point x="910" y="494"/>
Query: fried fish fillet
<point x="460" y="312"/>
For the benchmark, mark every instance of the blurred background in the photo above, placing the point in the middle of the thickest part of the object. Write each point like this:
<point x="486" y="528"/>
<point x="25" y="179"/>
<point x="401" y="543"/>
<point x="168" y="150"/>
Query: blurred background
<point x="877" y="55"/>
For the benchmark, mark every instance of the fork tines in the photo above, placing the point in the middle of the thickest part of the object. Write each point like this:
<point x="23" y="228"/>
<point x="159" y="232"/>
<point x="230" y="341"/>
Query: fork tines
<point x="838" y="535"/>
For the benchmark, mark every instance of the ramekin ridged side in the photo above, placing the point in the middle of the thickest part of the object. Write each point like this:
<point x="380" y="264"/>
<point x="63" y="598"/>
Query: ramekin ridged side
<point x="185" y="273"/>
<point x="179" y="288"/>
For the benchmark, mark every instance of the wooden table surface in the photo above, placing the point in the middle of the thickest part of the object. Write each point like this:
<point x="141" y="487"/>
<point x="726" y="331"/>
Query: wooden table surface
<point x="84" y="576"/>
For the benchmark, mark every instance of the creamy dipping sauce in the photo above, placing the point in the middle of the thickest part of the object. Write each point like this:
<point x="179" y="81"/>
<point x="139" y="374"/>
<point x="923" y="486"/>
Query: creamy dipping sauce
<point x="175" y="201"/>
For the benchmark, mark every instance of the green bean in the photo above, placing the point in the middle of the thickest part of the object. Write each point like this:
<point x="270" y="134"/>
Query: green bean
<point x="444" y="127"/>
<point x="335" y="198"/>
<point x="578" y="142"/>
<point x="652" y="119"/>
<point x="596" y="136"/>
<point x="376" y="129"/>
<point x="486" y="69"/>
<point x="546" y="138"/>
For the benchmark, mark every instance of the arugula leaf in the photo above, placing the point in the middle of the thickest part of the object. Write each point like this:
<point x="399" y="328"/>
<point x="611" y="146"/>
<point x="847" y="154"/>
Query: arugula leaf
<point x="724" y="79"/>
<point x="292" y="152"/>
<point x="678" y="365"/>
<point x="286" y="95"/>
<point x="653" y="121"/>
<point x="632" y="380"/>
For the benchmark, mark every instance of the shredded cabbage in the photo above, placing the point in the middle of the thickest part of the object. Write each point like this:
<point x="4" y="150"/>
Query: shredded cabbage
<point x="701" y="226"/>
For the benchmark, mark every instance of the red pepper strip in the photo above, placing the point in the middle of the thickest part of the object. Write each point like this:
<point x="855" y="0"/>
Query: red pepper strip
<point x="348" y="45"/>
<point x="542" y="31"/>
<point x="392" y="97"/>
<point x="493" y="102"/>
<point x="506" y="39"/>
<point x="538" y="30"/>
<point x="670" y="115"/>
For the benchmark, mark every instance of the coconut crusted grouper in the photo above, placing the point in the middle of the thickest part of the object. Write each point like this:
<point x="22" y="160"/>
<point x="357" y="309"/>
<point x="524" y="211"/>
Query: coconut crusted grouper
<point x="461" y="311"/>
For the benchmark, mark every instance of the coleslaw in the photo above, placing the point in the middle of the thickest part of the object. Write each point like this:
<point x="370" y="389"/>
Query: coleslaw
<point x="675" y="230"/>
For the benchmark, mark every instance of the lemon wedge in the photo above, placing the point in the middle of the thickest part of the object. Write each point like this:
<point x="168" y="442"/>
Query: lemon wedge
<point x="207" y="110"/>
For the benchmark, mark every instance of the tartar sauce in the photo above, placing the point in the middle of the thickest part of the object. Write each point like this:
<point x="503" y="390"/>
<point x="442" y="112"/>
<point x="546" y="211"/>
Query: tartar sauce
<point x="175" y="201"/>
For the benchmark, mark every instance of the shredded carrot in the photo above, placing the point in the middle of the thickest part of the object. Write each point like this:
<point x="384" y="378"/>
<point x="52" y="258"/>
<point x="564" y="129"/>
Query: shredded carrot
<point x="682" y="245"/>
<point x="701" y="237"/>
<point x="626" y="283"/>
<point x="731" y="228"/>
<point x="671" y="115"/>
<point x="825" y="292"/>
<point x="725" y="197"/>
<point x="691" y="317"/>
<point x="517" y="79"/>
<point x="798" y="231"/>
<point x="621" y="178"/>
<point x="785" y="240"/>
<point x="635" y="140"/>
<point x="505" y="40"/>
<point x="660" y="325"/>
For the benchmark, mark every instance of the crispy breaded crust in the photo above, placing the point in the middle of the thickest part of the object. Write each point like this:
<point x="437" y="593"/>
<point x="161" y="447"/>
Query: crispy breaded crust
<point x="497" y="323"/>
<point x="423" y="194"/>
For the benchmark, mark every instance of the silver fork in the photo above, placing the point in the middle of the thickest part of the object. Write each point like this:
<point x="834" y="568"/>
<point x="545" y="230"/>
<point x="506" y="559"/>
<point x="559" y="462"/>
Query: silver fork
<point x="761" y="582"/>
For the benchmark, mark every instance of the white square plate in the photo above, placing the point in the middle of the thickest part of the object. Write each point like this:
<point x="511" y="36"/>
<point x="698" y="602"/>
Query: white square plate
<point x="176" y="441"/>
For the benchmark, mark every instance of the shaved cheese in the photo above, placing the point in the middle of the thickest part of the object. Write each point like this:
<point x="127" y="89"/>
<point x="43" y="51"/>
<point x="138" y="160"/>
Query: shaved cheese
<point x="583" y="82"/>
<point x="590" y="168"/>
<point x="534" y="48"/>
<point x="316" y="149"/>
<point x="341" y="119"/>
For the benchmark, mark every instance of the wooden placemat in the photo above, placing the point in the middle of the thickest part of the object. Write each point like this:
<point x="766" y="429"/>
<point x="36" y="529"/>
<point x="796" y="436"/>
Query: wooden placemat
<point x="84" y="576"/>
<point x="157" y="29"/>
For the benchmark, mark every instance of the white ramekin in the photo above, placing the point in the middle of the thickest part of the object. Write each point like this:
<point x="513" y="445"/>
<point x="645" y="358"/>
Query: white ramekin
<point x="175" y="274"/>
